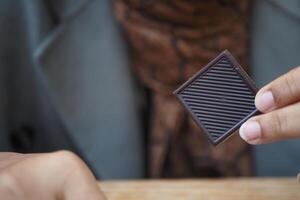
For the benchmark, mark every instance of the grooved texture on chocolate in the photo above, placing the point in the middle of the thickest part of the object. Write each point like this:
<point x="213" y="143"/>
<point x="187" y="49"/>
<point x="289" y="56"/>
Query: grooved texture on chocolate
<point x="220" y="97"/>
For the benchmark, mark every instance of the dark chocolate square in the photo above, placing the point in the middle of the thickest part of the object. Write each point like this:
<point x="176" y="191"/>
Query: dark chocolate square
<point x="220" y="97"/>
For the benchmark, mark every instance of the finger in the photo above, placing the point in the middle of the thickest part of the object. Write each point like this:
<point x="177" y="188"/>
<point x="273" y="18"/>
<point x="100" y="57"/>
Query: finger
<point x="8" y="158"/>
<point x="60" y="175"/>
<point x="81" y="184"/>
<point x="283" y="91"/>
<point x="273" y="126"/>
<point x="75" y="181"/>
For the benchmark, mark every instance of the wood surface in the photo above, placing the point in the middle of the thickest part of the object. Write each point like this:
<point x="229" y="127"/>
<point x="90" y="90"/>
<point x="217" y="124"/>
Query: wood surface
<point x="206" y="189"/>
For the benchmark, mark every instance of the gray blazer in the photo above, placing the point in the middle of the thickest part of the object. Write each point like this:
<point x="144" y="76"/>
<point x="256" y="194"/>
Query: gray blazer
<point x="65" y="83"/>
<point x="275" y="50"/>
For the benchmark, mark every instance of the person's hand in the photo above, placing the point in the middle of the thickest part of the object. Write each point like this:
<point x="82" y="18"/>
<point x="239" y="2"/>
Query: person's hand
<point x="50" y="176"/>
<point x="279" y="101"/>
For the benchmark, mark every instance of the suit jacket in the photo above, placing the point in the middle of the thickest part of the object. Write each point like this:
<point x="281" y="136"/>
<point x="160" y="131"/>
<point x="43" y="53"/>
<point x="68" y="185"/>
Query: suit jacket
<point x="66" y="84"/>
<point x="275" y="50"/>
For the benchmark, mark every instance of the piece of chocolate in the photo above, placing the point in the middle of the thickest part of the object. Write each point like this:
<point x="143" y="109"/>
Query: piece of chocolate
<point x="220" y="97"/>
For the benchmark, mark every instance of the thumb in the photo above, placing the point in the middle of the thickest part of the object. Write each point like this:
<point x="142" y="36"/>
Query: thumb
<point x="273" y="126"/>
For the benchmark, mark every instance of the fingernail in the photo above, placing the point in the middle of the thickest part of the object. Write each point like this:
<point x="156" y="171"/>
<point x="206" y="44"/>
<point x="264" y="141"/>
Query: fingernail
<point x="250" y="131"/>
<point x="265" y="101"/>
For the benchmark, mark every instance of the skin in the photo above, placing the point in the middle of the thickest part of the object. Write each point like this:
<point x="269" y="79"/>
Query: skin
<point x="279" y="101"/>
<point x="51" y="176"/>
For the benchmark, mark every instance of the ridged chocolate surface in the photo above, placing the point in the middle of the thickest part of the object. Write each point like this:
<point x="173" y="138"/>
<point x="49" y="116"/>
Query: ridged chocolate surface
<point x="220" y="97"/>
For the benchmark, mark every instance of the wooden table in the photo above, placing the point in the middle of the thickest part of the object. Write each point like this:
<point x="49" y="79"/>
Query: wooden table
<point x="204" y="189"/>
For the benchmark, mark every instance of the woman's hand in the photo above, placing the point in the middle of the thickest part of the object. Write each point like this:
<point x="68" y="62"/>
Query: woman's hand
<point x="279" y="101"/>
<point x="60" y="175"/>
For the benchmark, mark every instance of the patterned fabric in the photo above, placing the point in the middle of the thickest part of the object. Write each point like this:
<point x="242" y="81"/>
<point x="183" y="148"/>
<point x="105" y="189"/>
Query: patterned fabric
<point x="169" y="42"/>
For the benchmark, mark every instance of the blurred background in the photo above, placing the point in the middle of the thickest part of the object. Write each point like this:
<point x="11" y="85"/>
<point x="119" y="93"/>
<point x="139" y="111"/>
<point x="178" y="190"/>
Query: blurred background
<point x="96" y="77"/>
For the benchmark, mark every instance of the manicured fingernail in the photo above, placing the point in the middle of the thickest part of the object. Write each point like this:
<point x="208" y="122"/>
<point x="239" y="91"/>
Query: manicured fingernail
<point x="265" y="101"/>
<point x="250" y="131"/>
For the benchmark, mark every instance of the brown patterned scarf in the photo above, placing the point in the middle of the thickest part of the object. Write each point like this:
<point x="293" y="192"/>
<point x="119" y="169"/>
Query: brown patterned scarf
<point x="171" y="40"/>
